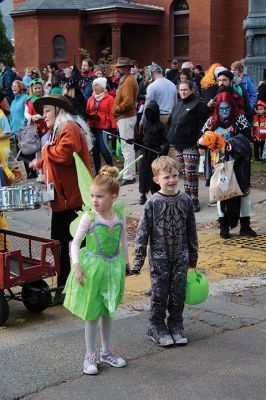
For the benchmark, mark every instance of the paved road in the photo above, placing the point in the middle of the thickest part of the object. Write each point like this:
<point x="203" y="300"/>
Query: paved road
<point x="41" y="355"/>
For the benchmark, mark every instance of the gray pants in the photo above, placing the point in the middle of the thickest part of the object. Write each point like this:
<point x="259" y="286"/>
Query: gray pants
<point x="168" y="292"/>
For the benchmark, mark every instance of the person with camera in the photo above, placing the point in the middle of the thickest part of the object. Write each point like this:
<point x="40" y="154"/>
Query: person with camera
<point x="100" y="118"/>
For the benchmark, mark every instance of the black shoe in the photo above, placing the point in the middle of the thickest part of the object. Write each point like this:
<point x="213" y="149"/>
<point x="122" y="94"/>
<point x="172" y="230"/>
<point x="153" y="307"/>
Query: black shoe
<point x="58" y="298"/>
<point x="148" y="292"/>
<point x="245" y="229"/>
<point x="142" y="199"/>
<point x="196" y="205"/>
<point x="127" y="182"/>
<point x="224" y="228"/>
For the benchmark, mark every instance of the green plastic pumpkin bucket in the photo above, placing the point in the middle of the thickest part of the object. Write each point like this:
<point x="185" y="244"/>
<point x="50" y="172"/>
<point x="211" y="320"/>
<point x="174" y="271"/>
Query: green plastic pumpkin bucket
<point x="197" y="288"/>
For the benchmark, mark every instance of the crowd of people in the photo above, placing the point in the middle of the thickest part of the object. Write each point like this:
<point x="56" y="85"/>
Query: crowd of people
<point x="164" y="114"/>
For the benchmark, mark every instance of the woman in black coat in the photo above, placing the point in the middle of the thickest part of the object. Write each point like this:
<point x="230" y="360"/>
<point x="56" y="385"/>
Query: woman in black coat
<point x="185" y="123"/>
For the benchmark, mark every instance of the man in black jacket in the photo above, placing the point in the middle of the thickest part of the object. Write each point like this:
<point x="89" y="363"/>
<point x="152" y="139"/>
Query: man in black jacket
<point x="173" y="73"/>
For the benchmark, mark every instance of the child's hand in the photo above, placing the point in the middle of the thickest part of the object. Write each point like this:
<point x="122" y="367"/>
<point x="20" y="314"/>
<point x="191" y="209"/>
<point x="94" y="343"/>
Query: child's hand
<point x="11" y="177"/>
<point x="79" y="274"/>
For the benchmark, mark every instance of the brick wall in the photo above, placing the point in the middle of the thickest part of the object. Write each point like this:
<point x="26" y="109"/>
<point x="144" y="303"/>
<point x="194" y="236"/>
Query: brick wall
<point x="34" y="39"/>
<point x="215" y="26"/>
<point x="26" y="42"/>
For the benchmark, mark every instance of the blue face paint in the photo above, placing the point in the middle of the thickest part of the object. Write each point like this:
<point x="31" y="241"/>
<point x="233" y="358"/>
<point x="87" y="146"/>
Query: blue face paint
<point x="224" y="110"/>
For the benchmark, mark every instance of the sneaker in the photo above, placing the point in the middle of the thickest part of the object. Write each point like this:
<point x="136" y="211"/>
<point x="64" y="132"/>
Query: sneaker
<point x="179" y="338"/>
<point x="59" y="298"/>
<point x="212" y="204"/>
<point x="90" y="364"/>
<point x="127" y="182"/>
<point x="160" y="337"/>
<point x="110" y="358"/>
<point x="142" y="199"/>
<point x="178" y="335"/>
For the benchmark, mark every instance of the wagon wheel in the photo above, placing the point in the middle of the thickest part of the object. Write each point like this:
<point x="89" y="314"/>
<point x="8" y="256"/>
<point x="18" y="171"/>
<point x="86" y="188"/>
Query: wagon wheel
<point x="4" y="309"/>
<point x="34" y="300"/>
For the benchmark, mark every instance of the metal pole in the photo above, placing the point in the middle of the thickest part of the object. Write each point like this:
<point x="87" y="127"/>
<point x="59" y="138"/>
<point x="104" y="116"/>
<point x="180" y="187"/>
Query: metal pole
<point x="130" y="141"/>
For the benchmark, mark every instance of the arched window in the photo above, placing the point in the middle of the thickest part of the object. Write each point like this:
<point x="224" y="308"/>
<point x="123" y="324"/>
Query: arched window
<point x="59" y="47"/>
<point x="181" y="29"/>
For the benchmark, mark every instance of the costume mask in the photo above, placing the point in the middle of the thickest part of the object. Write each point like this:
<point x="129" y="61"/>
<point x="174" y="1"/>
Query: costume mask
<point x="224" y="111"/>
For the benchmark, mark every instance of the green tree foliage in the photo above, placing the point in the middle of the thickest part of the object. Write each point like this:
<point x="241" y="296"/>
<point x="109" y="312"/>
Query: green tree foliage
<point x="106" y="60"/>
<point x="6" y="47"/>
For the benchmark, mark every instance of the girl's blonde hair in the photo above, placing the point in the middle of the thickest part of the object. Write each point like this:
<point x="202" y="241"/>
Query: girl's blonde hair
<point x="108" y="176"/>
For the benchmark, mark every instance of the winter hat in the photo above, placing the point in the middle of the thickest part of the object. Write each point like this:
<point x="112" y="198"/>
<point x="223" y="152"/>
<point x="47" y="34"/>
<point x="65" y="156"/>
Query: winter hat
<point x="101" y="81"/>
<point x="260" y="103"/>
<point x="155" y="68"/>
<point x="226" y="73"/>
<point x="218" y="70"/>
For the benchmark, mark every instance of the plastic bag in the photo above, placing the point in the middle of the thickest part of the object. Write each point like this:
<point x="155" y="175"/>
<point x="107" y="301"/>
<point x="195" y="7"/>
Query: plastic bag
<point x="223" y="184"/>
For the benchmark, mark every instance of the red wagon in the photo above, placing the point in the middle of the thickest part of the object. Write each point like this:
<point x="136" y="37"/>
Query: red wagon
<point x="25" y="261"/>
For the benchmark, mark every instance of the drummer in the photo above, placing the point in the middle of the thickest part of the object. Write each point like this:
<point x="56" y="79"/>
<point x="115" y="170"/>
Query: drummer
<point x="69" y="134"/>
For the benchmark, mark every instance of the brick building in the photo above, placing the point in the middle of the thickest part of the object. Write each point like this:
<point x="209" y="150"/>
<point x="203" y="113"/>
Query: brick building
<point x="204" y="31"/>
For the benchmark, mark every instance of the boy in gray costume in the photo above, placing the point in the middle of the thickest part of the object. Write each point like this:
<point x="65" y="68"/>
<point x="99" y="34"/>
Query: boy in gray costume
<point x="168" y="221"/>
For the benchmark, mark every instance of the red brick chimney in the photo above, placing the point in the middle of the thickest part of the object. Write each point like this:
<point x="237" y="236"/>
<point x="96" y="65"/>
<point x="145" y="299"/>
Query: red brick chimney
<point x="17" y="3"/>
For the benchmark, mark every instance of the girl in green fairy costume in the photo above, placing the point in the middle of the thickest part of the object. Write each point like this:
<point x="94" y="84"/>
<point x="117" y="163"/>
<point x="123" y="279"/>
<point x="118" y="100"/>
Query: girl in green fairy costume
<point x="95" y="285"/>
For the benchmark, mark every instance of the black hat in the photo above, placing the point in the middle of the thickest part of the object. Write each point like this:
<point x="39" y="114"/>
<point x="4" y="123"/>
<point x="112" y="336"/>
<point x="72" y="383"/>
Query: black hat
<point x="56" y="100"/>
<point x="227" y="73"/>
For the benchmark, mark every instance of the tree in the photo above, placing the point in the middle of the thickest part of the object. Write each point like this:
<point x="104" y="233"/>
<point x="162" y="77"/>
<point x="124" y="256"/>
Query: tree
<point x="6" y="47"/>
<point x="106" y="60"/>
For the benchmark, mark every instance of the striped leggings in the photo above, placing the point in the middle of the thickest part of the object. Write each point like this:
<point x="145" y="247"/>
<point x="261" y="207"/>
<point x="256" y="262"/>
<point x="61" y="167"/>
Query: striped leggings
<point x="187" y="160"/>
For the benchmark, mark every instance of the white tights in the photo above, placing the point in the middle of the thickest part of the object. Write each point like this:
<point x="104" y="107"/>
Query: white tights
<point x="91" y="330"/>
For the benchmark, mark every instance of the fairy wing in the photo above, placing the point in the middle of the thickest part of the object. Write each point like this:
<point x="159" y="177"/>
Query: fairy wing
<point x="84" y="182"/>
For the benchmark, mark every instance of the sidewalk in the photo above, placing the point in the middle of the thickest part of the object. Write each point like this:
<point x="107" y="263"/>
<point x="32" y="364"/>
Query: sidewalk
<point x="224" y="360"/>
<point x="41" y="354"/>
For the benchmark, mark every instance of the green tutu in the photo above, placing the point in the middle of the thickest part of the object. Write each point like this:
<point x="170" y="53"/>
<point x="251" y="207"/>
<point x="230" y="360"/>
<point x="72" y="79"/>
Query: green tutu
<point x="104" y="265"/>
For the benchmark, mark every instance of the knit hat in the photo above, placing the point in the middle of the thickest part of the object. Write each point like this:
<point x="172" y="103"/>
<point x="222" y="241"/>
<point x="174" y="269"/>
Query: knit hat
<point x="260" y="103"/>
<point x="226" y="73"/>
<point x="218" y="70"/>
<point x="155" y="68"/>
<point x="100" y="81"/>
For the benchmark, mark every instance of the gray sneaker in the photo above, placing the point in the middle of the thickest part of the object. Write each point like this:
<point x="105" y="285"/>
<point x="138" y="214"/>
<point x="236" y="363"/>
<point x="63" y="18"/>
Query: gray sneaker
<point x="162" y="341"/>
<point x="111" y="359"/>
<point x="178" y="335"/>
<point x="160" y="336"/>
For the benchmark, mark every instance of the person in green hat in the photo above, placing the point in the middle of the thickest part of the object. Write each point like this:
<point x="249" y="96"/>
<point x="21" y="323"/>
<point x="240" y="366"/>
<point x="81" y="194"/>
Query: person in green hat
<point x="36" y="91"/>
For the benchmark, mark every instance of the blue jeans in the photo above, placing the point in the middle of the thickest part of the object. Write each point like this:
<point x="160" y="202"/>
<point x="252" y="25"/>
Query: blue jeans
<point x="100" y="148"/>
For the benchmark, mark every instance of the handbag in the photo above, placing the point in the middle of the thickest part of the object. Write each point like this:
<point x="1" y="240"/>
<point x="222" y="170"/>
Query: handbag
<point x="18" y="169"/>
<point x="28" y="140"/>
<point x="223" y="184"/>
